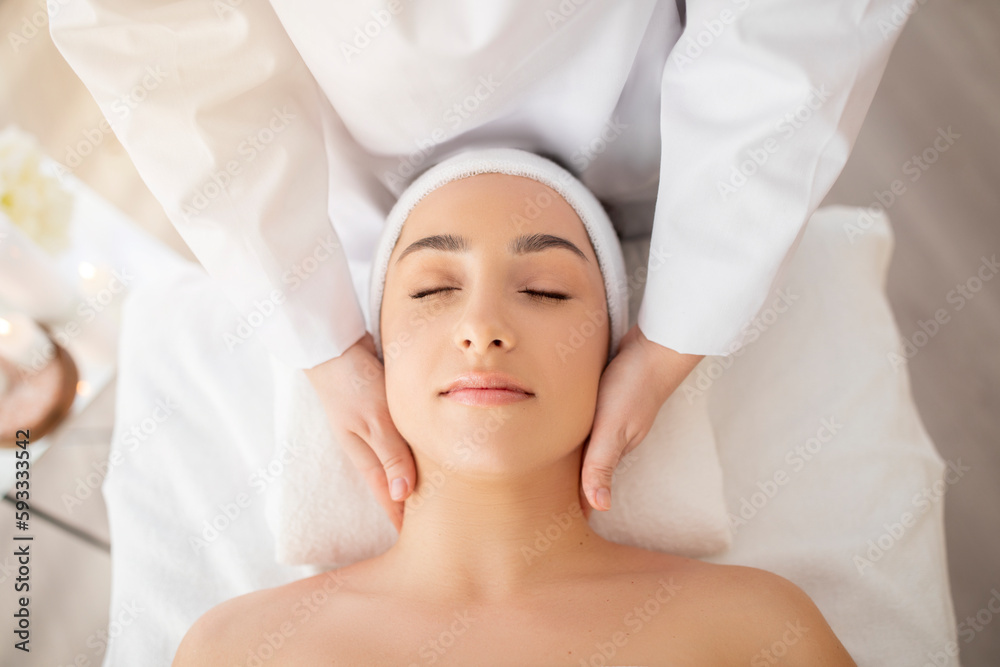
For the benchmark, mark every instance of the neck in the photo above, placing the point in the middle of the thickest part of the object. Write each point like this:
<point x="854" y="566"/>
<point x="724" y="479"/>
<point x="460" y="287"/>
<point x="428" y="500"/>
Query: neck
<point x="489" y="538"/>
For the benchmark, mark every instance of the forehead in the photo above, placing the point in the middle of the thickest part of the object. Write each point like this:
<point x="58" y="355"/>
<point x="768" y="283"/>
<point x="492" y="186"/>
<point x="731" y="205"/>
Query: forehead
<point x="494" y="207"/>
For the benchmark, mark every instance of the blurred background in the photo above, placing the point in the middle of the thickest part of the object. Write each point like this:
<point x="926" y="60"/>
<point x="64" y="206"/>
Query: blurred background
<point x="942" y="80"/>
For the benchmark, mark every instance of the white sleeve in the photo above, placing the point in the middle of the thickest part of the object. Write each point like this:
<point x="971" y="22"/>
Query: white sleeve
<point x="762" y="101"/>
<point x="227" y="127"/>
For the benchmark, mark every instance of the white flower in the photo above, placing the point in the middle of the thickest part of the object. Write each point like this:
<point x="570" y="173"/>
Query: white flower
<point x="35" y="202"/>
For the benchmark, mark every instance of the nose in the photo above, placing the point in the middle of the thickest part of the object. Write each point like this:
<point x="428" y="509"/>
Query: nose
<point x="483" y="325"/>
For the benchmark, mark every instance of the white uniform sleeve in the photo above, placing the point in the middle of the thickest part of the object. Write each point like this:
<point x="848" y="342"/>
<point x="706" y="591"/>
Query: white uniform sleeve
<point x="762" y="101"/>
<point x="227" y="127"/>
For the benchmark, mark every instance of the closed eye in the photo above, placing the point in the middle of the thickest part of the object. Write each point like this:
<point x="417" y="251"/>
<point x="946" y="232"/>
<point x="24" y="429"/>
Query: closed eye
<point x="554" y="296"/>
<point x="428" y="292"/>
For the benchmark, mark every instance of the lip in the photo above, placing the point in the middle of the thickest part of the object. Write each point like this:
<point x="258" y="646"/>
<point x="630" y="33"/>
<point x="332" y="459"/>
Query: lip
<point x="486" y="389"/>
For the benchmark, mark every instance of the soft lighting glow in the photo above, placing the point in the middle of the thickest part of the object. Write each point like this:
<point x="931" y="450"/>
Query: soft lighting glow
<point x="87" y="270"/>
<point x="83" y="388"/>
<point x="4" y="327"/>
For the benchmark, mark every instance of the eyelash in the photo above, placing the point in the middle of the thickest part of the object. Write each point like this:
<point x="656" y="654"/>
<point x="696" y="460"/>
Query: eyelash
<point x="547" y="296"/>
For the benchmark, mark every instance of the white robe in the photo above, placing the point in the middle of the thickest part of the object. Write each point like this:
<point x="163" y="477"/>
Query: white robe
<point x="278" y="135"/>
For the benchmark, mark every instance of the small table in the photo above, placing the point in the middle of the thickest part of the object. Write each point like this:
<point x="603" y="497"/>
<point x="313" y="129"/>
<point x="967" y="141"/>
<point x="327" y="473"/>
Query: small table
<point x="101" y="236"/>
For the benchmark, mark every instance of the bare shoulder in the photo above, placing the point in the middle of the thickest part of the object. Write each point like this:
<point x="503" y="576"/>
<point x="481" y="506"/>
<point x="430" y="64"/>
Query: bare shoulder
<point x="215" y="637"/>
<point x="224" y="633"/>
<point x="730" y="614"/>
<point x="767" y="619"/>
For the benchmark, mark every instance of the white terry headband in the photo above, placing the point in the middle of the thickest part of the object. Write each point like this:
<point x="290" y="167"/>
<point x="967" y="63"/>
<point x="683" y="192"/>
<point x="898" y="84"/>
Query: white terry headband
<point x="515" y="162"/>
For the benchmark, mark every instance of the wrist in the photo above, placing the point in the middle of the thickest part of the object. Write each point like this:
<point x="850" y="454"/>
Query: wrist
<point x="671" y="366"/>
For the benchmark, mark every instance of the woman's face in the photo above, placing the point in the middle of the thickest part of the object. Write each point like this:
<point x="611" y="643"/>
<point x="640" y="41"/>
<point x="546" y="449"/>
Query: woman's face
<point x="472" y="295"/>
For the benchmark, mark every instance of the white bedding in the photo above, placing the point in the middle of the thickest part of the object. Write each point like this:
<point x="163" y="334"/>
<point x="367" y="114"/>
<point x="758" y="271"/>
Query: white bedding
<point x="819" y="370"/>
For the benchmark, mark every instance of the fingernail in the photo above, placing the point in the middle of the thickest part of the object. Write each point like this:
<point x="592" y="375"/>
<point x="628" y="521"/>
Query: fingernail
<point x="603" y="497"/>
<point x="398" y="489"/>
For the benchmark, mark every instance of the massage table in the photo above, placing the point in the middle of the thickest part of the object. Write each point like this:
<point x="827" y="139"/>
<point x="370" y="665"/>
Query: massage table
<point x="830" y="478"/>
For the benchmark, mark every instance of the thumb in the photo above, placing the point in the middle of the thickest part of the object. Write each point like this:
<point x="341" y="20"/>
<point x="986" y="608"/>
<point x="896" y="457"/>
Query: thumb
<point x="604" y="450"/>
<point x="395" y="456"/>
<point x="364" y="459"/>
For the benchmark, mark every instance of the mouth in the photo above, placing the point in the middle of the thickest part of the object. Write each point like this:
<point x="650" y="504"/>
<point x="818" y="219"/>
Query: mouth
<point x="487" y="397"/>
<point x="486" y="389"/>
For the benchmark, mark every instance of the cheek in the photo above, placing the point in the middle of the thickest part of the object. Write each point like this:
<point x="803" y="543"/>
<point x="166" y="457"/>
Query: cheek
<point x="580" y="346"/>
<point x="579" y="379"/>
<point x="579" y="339"/>
<point x="409" y="370"/>
<point x="408" y="322"/>
<point x="404" y="393"/>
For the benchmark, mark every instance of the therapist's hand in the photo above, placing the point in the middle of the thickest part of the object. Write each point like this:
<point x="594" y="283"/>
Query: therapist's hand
<point x="352" y="390"/>
<point x="633" y="388"/>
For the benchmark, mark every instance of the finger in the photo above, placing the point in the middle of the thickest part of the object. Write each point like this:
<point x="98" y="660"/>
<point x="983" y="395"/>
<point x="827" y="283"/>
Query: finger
<point x="585" y="505"/>
<point x="395" y="456"/>
<point x="368" y="464"/>
<point x="606" y="448"/>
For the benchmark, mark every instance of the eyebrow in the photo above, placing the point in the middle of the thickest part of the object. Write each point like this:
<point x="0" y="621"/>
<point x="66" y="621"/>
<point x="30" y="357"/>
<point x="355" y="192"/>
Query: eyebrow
<point x="522" y="245"/>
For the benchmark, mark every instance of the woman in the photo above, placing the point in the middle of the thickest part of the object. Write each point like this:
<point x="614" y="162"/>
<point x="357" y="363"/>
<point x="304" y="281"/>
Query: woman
<point x="468" y="581"/>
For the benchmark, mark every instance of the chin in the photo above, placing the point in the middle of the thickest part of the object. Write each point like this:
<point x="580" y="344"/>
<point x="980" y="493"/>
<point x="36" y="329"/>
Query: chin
<point x="480" y="442"/>
<point x="502" y="463"/>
